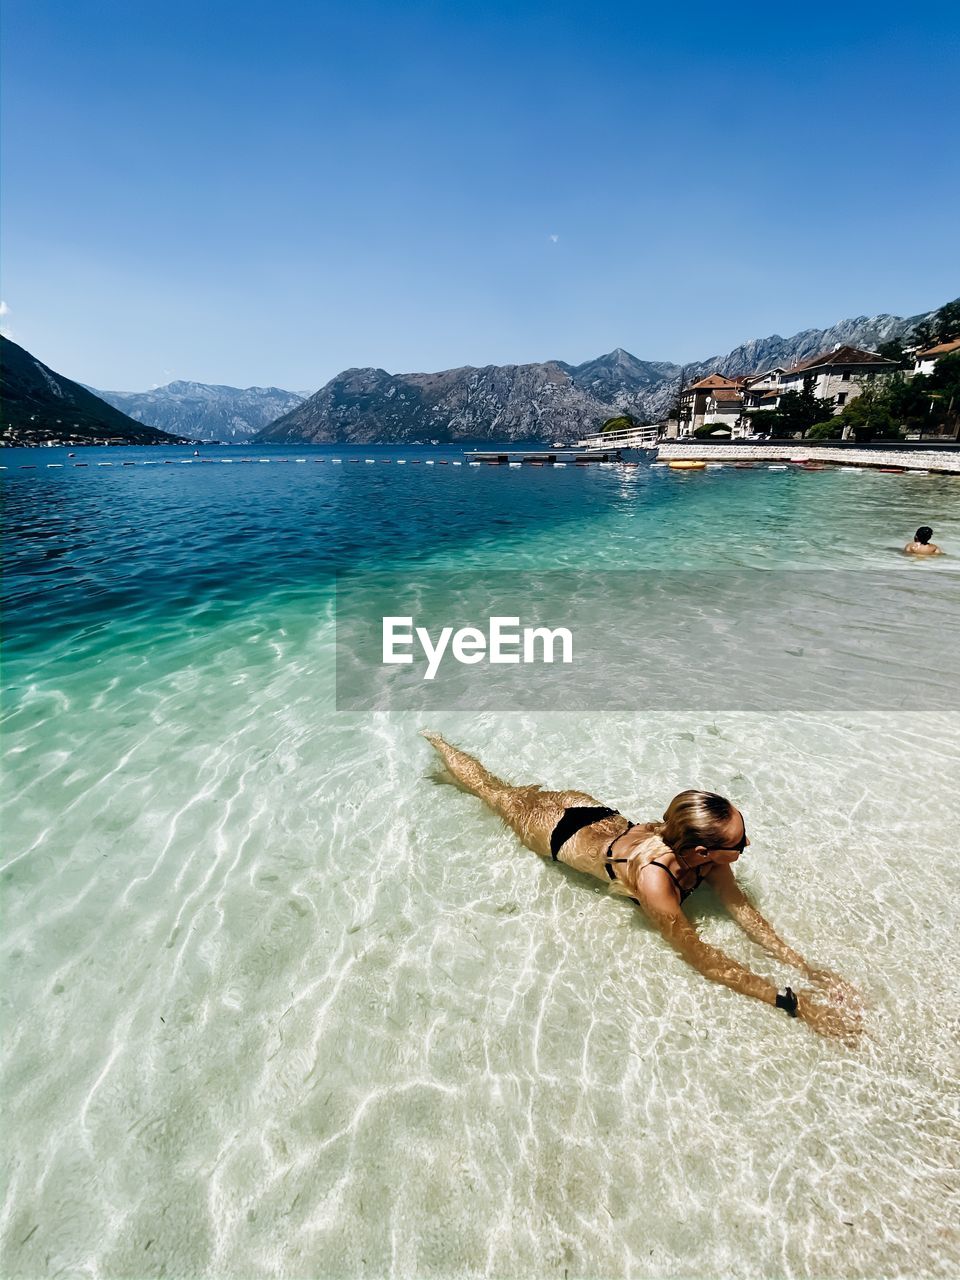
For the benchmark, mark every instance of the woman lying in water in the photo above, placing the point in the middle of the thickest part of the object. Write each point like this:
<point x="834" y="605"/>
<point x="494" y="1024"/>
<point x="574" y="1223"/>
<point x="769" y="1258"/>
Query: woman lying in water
<point x="659" y="864"/>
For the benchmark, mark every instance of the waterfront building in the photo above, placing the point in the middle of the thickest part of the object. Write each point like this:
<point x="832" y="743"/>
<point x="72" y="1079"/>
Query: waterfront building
<point x="714" y="399"/>
<point x="925" y="361"/>
<point x="838" y="375"/>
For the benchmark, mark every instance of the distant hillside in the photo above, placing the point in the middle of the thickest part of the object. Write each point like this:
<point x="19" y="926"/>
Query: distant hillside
<point x="506" y="401"/>
<point x="39" y="406"/>
<point x="550" y="401"/>
<point x="766" y="353"/>
<point x="205" y="411"/>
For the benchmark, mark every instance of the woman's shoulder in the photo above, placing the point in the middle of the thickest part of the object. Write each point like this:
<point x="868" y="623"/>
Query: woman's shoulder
<point x="648" y="845"/>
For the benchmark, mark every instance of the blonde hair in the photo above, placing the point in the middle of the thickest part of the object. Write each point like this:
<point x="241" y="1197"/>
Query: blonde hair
<point x="692" y="818"/>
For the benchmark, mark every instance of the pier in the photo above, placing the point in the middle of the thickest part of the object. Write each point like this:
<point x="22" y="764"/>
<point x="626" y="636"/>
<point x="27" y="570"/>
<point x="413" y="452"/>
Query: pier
<point x="543" y="457"/>
<point x="645" y="437"/>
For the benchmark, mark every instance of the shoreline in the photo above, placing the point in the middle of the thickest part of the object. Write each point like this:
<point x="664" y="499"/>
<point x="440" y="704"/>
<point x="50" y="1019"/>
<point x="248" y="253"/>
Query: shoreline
<point x="941" y="461"/>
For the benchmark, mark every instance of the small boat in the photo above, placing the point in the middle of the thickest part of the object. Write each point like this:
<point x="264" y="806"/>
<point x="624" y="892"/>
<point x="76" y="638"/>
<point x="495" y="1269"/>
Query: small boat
<point x="892" y="471"/>
<point x="685" y="464"/>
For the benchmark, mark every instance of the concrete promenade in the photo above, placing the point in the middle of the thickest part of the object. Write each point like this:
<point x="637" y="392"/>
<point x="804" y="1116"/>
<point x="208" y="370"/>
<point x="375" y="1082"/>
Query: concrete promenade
<point x="940" y="460"/>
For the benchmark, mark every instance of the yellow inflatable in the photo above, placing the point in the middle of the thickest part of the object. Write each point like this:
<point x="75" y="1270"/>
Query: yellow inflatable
<point x="686" y="464"/>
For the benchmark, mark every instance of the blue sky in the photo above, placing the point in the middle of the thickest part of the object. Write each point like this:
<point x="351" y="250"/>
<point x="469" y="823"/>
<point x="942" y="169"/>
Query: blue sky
<point x="267" y="194"/>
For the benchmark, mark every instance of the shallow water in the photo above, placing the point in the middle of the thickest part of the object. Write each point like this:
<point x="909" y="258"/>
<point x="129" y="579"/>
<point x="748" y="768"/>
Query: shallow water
<point x="277" y="1003"/>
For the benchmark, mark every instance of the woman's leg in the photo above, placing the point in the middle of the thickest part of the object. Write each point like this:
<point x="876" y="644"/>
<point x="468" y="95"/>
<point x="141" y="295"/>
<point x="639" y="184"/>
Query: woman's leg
<point x="529" y="811"/>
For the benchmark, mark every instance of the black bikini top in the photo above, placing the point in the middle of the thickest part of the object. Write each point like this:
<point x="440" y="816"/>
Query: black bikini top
<point x="608" y="863"/>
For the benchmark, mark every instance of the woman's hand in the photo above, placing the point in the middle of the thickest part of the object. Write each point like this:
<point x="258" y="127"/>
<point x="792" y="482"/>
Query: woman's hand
<point x="831" y="984"/>
<point x="831" y="1020"/>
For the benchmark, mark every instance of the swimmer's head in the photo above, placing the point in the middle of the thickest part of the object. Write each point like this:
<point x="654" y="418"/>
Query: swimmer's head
<point x="924" y="534"/>
<point x="702" y="823"/>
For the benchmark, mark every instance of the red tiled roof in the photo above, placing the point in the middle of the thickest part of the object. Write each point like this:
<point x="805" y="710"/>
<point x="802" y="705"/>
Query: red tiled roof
<point x="941" y="349"/>
<point x="842" y="355"/>
<point x="712" y="380"/>
<point x="724" y="394"/>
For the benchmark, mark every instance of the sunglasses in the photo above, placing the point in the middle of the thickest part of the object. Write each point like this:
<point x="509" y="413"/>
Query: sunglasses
<point x="743" y="841"/>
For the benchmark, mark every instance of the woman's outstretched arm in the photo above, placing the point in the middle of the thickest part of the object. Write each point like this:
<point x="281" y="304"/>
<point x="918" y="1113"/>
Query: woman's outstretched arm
<point x="750" y="920"/>
<point x="762" y="931"/>
<point x="660" y="904"/>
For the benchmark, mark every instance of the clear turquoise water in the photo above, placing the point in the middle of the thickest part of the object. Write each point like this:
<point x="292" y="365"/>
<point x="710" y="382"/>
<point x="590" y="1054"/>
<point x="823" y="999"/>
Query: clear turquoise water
<point x="275" y="1003"/>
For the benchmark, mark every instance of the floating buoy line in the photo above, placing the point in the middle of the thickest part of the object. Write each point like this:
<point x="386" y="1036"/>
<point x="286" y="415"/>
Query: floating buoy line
<point x="672" y="464"/>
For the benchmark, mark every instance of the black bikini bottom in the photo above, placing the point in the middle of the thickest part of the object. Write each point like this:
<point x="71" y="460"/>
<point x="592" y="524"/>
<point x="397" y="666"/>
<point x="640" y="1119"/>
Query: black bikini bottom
<point x="574" y="818"/>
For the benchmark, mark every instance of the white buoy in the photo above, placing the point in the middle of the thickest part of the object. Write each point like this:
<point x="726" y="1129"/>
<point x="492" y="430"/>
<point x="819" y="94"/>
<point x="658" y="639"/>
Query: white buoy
<point x="776" y="466"/>
<point x="429" y="462"/>
<point x="711" y="466"/>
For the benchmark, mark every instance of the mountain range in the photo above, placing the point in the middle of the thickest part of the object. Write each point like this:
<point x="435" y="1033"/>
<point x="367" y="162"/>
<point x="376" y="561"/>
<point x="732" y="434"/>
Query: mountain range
<point x="548" y="401"/>
<point x="205" y="411"/>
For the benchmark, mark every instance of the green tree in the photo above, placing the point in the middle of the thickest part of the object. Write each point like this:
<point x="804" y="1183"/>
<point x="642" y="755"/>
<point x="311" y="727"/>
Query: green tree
<point x="621" y="423"/>
<point x="943" y="326"/>
<point x="829" y="430"/>
<point x="906" y="400"/>
<point x="893" y="350"/>
<point x="870" y="414"/>
<point x="945" y="376"/>
<point x="940" y="391"/>
<point x="796" y="413"/>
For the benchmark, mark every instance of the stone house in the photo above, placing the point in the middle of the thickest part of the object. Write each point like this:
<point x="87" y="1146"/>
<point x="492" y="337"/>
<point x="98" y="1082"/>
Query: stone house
<point x="713" y="399"/>
<point x="837" y="375"/>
